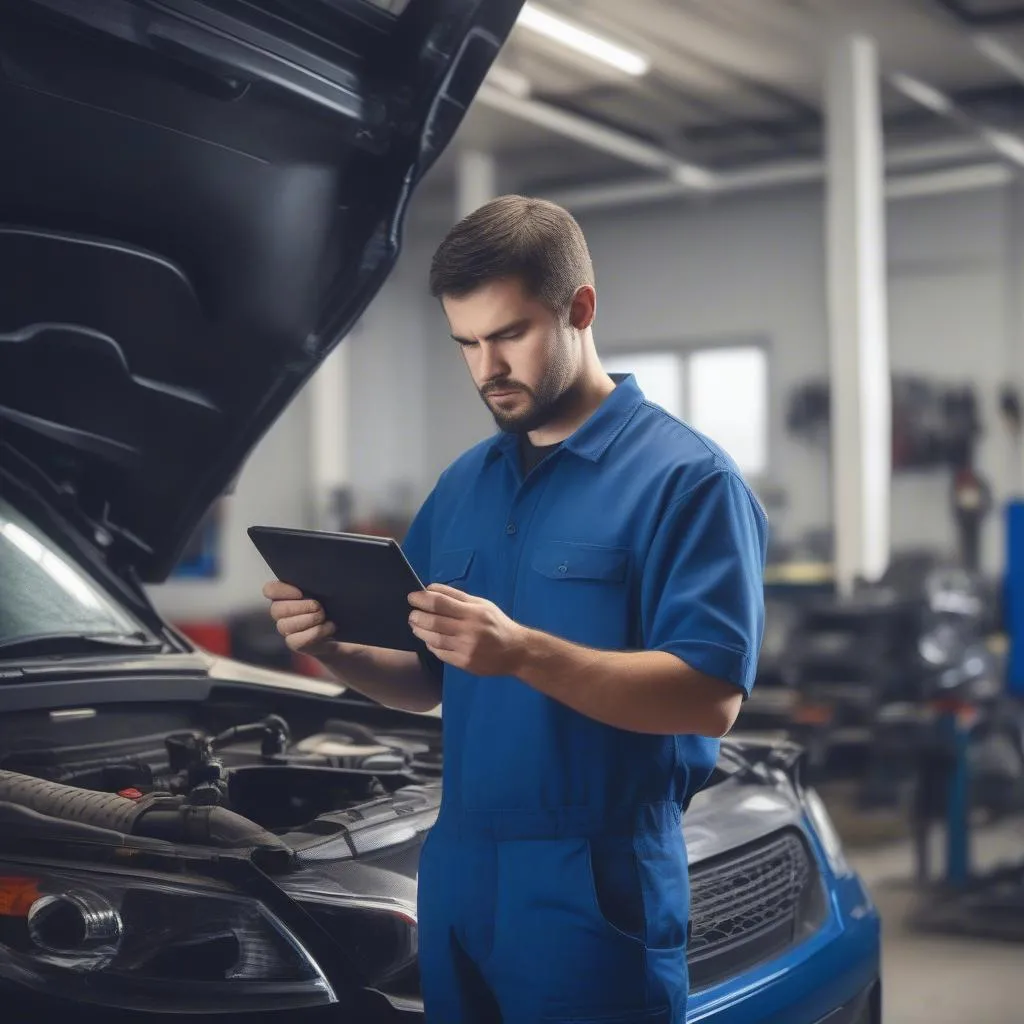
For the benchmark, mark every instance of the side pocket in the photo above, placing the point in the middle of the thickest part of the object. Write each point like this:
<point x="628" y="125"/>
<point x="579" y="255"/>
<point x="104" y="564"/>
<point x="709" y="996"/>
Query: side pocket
<point x="665" y="884"/>
<point x="615" y="882"/>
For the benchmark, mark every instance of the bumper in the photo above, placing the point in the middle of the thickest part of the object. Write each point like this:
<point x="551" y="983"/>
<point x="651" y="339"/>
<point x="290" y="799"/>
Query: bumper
<point x="832" y="977"/>
<point x="21" y="1007"/>
<point x="865" y="1009"/>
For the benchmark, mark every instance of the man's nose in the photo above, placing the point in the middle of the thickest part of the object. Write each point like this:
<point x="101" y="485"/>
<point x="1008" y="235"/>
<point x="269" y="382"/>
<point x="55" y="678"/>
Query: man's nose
<point x="492" y="363"/>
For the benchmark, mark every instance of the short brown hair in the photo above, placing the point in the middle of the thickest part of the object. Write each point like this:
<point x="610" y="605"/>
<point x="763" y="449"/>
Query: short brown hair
<point x="533" y="240"/>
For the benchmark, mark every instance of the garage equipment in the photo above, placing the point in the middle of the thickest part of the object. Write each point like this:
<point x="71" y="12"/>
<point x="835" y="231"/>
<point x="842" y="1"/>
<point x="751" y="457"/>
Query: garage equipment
<point x="965" y="902"/>
<point x="1015" y="596"/>
<point x="989" y="905"/>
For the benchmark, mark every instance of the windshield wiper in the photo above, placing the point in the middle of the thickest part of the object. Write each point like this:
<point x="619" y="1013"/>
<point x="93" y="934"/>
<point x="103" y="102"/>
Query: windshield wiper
<point x="55" y="644"/>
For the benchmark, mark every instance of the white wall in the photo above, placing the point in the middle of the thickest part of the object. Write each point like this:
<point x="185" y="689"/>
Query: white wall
<point x="389" y="394"/>
<point x="949" y="301"/>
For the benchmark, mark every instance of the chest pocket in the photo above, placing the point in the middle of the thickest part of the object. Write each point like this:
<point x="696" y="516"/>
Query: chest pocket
<point x="581" y="592"/>
<point x="566" y="560"/>
<point x="452" y="567"/>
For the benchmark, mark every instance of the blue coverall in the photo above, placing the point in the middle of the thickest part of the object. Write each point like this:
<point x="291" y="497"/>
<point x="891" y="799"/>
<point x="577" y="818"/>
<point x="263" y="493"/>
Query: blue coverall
<point x="554" y="886"/>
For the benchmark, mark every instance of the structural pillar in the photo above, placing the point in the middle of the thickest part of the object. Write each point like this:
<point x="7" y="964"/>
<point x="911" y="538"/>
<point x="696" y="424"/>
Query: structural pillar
<point x="476" y="181"/>
<point x="329" y="440"/>
<point x="861" y="403"/>
<point x="1013" y="593"/>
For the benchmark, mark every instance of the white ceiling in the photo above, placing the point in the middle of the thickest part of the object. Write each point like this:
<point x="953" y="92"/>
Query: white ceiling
<point x="737" y="82"/>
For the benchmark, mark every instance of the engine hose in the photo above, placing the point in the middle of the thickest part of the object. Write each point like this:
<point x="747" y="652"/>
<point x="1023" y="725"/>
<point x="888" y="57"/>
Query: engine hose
<point x="178" y="822"/>
<point x="273" y="731"/>
<point x="69" y="803"/>
<point x="155" y="816"/>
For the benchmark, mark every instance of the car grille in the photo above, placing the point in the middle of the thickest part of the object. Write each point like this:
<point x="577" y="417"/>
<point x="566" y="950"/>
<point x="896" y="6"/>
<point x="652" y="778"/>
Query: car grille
<point x="750" y="905"/>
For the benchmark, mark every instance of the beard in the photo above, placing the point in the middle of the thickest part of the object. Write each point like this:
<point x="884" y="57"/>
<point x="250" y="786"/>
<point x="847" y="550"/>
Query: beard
<point x="535" y="407"/>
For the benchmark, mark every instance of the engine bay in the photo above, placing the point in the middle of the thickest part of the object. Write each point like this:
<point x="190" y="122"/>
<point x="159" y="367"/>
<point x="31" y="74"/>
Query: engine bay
<point x="213" y="776"/>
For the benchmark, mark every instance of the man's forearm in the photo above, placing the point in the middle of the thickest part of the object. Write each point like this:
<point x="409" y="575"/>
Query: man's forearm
<point x="642" y="691"/>
<point x="396" y="679"/>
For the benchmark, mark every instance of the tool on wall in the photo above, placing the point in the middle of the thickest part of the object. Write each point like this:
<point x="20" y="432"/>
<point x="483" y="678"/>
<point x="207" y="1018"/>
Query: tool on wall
<point x="935" y="426"/>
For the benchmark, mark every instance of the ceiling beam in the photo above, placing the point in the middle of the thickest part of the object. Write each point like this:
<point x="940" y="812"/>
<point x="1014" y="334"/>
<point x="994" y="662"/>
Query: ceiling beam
<point x="1005" y="143"/>
<point x="802" y="172"/>
<point x="687" y="176"/>
<point x="676" y="175"/>
<point x="963" y="13"/>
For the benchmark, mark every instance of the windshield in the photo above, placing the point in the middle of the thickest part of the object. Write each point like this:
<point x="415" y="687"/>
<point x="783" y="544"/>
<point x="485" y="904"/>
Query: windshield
<point x="45" y="592"/>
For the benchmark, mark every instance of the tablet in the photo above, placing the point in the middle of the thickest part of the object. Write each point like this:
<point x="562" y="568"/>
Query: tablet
<point x="362" y="582"/>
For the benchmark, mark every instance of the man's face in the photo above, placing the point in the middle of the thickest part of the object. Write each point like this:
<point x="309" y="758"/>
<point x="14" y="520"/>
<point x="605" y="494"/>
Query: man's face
<point x="523" y="360"/>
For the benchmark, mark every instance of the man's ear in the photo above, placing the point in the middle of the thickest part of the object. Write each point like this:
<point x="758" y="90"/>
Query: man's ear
<point x="583" y="308"/>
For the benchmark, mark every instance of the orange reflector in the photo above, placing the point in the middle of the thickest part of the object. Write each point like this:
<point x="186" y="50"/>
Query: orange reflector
<point x="966" y="714"/>
<point x="17" y="895"/>
<point x="809" y="714"/>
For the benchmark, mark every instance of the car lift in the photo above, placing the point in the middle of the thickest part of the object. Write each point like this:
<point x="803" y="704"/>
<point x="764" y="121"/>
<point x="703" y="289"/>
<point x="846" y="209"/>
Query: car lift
<point x="989" y="905"/>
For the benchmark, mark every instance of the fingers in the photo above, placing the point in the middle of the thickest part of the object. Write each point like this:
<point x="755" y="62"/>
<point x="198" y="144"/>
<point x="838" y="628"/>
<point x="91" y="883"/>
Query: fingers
<point x="436" y="642"/>
<point x="299" y="623"/>
<point x="308" y="640"/>
<point x="300" y="620"/>
<point x="438" y="603"/>
<point x="435" y="624"/>
<point x="441" y="588"/>
<point x="289" y="609"/>
<point x="275" y="590"/>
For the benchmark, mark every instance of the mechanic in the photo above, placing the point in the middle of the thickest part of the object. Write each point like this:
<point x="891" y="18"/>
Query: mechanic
<point x="594" y="616"/>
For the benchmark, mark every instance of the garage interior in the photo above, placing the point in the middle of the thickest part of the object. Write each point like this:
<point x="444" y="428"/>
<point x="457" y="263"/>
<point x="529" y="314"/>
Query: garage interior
<point x="807" y="222"/>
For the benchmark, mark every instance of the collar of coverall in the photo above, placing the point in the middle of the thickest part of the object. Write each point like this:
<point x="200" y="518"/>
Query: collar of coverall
<point x="594" y="436"/>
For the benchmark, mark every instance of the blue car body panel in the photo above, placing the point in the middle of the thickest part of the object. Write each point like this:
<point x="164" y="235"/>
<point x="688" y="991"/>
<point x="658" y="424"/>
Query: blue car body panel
<point x="815" y="978"/>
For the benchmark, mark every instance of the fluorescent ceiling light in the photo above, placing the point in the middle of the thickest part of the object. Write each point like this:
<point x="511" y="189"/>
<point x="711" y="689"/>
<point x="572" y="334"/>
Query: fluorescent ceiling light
<point x="921" y="92"/>
<point x="1002" y="55"/>
<point x="545" y="23"/>
<point x="510" y="80"/>
<point x="1006" y="144"/>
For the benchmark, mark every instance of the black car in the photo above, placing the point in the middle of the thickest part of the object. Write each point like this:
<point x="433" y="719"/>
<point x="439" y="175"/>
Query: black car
<point x="197" y="200"/>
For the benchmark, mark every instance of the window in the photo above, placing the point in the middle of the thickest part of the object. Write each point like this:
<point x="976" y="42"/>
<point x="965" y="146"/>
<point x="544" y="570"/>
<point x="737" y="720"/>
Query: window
<point x="722" y="391"/>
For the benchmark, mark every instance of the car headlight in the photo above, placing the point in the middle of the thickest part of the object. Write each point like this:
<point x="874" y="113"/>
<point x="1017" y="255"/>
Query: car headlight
<point x="827" y="834"/>
<point x="150" y="943"/>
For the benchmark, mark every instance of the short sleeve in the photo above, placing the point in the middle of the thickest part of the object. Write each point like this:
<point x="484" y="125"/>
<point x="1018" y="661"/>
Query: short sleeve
<point x="702" y="588"/>
<point x="416" y="547"/>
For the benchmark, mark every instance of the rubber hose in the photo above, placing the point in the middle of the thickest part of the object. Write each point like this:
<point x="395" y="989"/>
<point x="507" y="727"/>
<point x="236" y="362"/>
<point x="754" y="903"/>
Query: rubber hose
<point x="155" y="816"/>
<point x="69" y="803"/>
<point x="204" y="826"/>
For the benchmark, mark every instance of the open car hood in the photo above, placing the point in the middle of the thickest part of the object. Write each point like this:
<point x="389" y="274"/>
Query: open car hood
<point x="198" y="198"/>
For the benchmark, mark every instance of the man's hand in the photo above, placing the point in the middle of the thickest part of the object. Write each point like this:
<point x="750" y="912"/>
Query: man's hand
<point x="468" y="632"/>
<point x="300" y="621"/>
<point x="395" y="679"/>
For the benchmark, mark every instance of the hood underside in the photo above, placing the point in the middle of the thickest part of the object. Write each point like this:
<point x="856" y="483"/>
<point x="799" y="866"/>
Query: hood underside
<point x="197" y="201"/>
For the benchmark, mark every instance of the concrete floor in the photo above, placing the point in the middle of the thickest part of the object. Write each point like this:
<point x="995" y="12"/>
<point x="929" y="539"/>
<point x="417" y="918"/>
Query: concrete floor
<point x="938" y="979"/>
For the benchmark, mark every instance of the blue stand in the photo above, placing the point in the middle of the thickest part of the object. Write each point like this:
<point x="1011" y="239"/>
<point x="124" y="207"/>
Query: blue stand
<point x="958" y="808"/>
<point x="1014" y="596"/>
